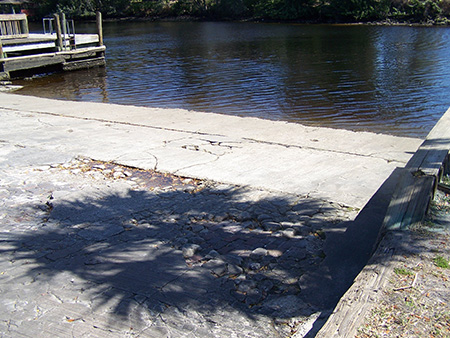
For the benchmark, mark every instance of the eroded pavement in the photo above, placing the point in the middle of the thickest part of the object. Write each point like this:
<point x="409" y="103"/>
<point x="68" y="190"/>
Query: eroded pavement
<point x="96" y="249"/>
<point x="255" y="237"/>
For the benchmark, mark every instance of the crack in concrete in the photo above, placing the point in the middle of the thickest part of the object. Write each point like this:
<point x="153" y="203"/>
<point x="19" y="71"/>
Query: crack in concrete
<point x="197" y="164"/>
<point x="206" y="133"/>
<point x="45" y="123"/>
<point x="119" y="159"/>
<point x="319" y="149"/>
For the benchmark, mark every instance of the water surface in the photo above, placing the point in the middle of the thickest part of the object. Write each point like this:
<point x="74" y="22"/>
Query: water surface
<point x="393" y="80"/>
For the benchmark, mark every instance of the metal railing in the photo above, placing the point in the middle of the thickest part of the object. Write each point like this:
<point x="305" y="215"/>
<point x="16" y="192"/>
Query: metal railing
<point x="67" y="30"/>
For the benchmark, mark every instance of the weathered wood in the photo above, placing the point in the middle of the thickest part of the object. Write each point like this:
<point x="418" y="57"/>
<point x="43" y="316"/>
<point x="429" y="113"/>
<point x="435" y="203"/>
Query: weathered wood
<point x="35" y="38"/>
<point x="69" y="60"/>
<point x="410" y="201"/>
<point x="13" y="26"/>
<point x="82" y="55"/>
<point x="444" y="188"/>
<point x="349" y="314"/>
<point x="83" y="52"/>
<point x="24" y="63"/>
<point x="99" y="28"/>
<point x="84" y="64"/>
<point x="419" y="179"/>
<point x="42" y="50"/>
<point x="434" y="149"/>
<point x="63" y="25"/>
<point x="59" y="41"/>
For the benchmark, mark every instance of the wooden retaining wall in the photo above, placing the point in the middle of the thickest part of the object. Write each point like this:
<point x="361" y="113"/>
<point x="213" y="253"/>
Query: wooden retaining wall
<point x="408" y="206"/>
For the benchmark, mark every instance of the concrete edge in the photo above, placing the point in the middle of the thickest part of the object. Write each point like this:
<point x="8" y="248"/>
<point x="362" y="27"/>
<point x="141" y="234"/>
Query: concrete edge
<point x="362" y="296"/>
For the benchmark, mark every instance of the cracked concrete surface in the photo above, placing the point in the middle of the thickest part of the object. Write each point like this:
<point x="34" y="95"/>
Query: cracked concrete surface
<point x="84" y="254"/>
<point x="92" y="250"/>
<point x="337" y="165"/>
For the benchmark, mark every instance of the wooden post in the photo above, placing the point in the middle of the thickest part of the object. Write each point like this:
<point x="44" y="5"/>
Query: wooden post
<point x="64" y="30"/>
<point x="99" y="29"/>
<point x="1" y="49"/>
<point x="59" y="42"/>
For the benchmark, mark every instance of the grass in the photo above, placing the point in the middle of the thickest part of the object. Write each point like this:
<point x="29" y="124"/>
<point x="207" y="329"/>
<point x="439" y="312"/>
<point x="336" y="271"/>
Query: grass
<point x="404" y="272"/>
<point x="441" y="262"/>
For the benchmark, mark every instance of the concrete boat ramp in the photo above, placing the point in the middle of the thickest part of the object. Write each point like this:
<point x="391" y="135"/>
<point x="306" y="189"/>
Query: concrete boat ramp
<point x="237" y="247"/>
<point x="336" y="165"/>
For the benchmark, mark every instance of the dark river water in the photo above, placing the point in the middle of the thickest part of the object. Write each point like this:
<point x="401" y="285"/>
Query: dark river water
<point x="393" y="80"/>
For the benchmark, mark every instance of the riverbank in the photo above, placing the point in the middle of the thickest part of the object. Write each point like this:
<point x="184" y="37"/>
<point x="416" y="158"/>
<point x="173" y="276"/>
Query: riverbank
<point x="187" y="18"/>
<point x="414" y="301"/>
<point x="279" y="10"/>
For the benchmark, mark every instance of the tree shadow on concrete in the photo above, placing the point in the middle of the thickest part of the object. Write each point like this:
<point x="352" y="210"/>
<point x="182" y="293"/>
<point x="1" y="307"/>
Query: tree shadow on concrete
<point x="207" y="253"/>
<point x="347" y="252"/>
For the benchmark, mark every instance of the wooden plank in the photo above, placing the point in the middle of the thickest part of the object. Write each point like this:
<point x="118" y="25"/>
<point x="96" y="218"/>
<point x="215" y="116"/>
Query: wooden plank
<point x="84" y="64"/>
<point x="410" y="201"/>
<point x="11" y="17"/>
<point x="30" y="47"/>
<point x="82" y="50"/>
<point x="66" y="54"/>
<point x="81" y="39"/>
<point x="24" y="63"/>
<point x="432" y="152"/>
<point x="13" y="26"/>
<point x="349" y="314"/>
<point x="83" y="55"/>
<point x="31" y="39"/>
<point x="414" y="190"/>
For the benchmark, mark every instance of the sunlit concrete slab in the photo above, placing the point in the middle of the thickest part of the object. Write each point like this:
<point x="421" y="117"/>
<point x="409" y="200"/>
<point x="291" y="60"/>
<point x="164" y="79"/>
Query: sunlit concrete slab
<point x="337" y="165"/>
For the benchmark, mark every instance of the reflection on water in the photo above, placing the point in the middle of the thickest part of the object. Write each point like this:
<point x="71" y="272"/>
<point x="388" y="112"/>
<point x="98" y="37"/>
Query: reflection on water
<point x="392" y="80"/>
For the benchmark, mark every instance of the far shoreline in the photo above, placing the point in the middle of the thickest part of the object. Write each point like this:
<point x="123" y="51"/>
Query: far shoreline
<point x="189" y="18"/>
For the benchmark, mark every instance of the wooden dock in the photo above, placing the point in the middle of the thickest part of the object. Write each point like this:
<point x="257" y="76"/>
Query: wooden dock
<point x="22" y="53"/>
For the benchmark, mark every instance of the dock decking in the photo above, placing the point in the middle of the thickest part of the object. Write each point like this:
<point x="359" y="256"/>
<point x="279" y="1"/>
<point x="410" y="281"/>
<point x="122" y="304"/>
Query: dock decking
<point x="37" y="53"/>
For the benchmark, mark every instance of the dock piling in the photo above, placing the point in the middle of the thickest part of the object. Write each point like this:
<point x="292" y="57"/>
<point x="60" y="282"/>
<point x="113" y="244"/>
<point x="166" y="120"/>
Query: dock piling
<point x="59" y="41"/>
<point x="64" y="30"/>
<point x="99" y="28"/>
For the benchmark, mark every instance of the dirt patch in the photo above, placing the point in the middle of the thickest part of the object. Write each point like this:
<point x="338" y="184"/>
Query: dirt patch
<point x="142" y="179"/>
<point x="416" y="301"/>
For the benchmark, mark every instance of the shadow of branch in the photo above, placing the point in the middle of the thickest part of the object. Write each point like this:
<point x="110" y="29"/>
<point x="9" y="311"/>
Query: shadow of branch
<point x="204" y="251"/>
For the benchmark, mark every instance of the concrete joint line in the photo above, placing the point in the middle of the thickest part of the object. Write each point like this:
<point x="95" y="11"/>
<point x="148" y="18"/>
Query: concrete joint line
<point x="318" y="149"/>
<point x="114" y="122"/>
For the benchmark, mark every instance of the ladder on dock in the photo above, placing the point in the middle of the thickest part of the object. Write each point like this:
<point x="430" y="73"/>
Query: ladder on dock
<point x="67" y="33"/>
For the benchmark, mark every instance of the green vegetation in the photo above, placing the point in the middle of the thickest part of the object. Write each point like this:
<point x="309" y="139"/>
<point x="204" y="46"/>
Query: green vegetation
<point x="424" y="11"/>
<point x="403" y="271"/>
<point x="441" y="262"/>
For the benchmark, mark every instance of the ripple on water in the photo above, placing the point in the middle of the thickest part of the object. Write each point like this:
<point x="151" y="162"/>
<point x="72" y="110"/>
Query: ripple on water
<point x="391" y="80"/>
